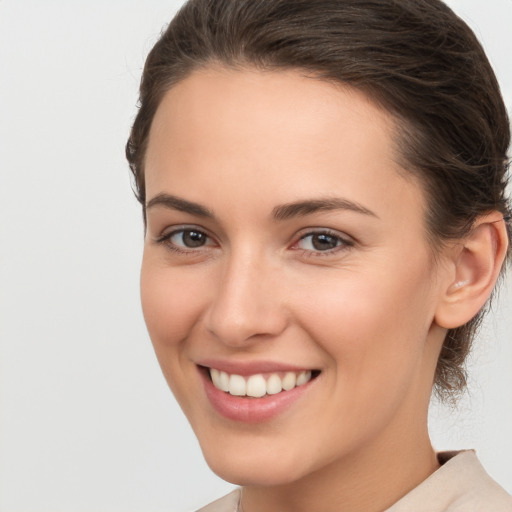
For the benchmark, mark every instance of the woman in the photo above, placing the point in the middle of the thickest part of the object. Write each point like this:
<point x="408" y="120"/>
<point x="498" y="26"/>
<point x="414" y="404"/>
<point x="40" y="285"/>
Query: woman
<point x="323" y="187"/>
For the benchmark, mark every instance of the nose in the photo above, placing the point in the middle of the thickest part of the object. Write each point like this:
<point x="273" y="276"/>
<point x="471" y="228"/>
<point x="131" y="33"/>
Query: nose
<point x="247" y="304"/>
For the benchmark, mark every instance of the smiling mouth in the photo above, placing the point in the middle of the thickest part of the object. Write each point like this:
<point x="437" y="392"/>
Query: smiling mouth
<point x="259" y="385"/>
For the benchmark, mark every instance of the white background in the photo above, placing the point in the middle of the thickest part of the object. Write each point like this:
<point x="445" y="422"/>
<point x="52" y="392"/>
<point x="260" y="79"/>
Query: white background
<point x="86" y="420"/>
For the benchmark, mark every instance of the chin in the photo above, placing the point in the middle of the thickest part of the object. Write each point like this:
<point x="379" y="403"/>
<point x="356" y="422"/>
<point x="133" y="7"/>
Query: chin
<point x="258" y="468"/>
<point x="253" y="475"/>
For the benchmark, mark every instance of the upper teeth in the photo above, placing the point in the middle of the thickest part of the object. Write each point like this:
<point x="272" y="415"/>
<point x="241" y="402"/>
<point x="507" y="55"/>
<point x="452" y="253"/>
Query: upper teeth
<point x="257" y="385"/>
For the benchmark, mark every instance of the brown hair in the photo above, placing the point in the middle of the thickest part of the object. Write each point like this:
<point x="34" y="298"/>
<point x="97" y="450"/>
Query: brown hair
<point x="415" y="58"/>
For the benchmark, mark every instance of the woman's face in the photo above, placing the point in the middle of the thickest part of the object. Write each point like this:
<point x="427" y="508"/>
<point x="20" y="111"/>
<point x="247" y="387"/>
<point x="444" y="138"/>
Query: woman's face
<point x="285" y="248"/>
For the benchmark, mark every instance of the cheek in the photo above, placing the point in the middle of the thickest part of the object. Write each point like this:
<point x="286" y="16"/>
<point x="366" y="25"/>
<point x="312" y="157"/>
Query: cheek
<point x="373" y="326"/>
<point x="376" y="351"/>
<point x="171" y="303"/>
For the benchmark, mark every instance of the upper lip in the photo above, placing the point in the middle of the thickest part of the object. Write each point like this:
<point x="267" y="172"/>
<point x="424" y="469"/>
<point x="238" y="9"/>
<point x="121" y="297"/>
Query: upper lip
<point x="250" y="367"/>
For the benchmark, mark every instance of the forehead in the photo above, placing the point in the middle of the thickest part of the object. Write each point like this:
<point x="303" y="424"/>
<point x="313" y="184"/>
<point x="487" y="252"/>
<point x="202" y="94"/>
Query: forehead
<point x="250" y="102"/>
<point x="248" y="132"/>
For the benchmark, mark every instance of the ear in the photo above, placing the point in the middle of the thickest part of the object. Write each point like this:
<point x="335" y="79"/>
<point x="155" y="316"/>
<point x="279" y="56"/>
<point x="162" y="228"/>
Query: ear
<point x="475" y="264"/>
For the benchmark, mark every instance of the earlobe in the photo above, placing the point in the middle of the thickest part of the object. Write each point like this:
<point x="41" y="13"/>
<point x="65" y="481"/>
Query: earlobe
<point x="476" y="264"/>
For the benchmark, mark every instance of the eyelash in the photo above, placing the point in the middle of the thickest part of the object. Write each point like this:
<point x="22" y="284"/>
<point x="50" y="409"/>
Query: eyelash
<point x="344" y="243"/>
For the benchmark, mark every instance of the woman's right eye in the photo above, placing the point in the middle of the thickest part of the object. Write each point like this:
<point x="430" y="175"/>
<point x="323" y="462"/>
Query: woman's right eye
<point x="186" y="239"/>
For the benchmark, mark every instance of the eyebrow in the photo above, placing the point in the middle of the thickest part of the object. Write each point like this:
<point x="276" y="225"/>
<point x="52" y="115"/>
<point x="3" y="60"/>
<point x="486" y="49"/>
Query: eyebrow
<point x="182" y="205"/>
<point x="303" y="208"/>
<point x="279" y="213"/>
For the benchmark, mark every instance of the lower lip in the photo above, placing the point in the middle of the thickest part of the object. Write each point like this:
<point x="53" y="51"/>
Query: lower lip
<point x="248" y="409"/>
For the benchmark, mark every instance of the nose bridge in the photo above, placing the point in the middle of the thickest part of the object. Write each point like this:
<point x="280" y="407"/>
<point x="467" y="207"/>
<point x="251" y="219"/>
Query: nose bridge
<point x="246" y="304"/>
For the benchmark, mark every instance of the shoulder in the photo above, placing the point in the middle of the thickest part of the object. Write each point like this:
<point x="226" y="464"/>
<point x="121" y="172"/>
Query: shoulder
<point x="461" y="484"/>
<point x="228" y="503"/>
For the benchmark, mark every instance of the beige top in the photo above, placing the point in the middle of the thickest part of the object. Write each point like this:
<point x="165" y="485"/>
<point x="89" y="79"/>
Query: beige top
<point x="459" y="485"/>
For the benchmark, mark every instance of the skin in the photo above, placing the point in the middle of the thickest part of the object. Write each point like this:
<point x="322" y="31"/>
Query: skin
<point x="240" y="144"/>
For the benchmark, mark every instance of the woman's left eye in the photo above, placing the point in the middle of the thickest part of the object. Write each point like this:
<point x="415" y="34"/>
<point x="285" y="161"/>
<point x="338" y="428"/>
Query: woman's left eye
<point x="321" y="242"/>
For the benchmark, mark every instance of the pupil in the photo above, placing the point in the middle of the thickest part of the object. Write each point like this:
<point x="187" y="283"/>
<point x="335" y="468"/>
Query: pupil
<point x="193" y="239"/>
<point x="324" y="242"/>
